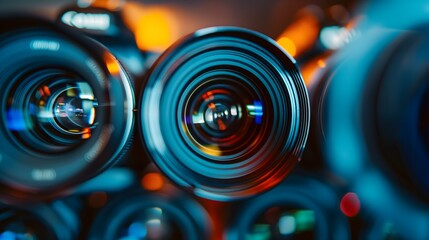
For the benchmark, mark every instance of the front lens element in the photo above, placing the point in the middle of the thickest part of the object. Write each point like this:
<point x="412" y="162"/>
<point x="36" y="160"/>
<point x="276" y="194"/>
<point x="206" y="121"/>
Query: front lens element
<point x="74" y="110"/>
<point x="224" y="117"/>
<point x="57" y="110"/>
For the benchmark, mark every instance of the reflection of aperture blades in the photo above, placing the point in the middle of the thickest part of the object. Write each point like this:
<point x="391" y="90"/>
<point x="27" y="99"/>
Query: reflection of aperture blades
<point x="225" y="113"/>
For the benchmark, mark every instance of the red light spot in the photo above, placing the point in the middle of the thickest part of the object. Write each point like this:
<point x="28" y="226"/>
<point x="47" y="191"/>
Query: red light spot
<point x="350" y="204"/>
<point x="97" y="199"/>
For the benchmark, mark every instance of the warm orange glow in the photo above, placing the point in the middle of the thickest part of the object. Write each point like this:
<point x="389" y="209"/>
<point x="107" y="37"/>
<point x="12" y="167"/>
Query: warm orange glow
<point x="155" y="28"/>
<point x="212" y="150"/>
<point x="302" y="32"/>
<point x="152" y="181"/>
<point x="208" y="96"/>
<point x="46" y="90"/>
<point x="108" y="4"/>
<point x="112" y="65"/>
<point x="321" y="63"/>
<point x="97" y="199"/>
<point x="310" y="69"/>
<point x="212" y="106"/>
<point x="221" y="124"/>
<point x="86" y="133"/>
<point x="287" y="45"/>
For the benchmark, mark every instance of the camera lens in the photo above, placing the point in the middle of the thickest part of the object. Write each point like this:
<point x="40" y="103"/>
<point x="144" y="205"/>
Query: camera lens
<point x="143" y="215"/>
<point x="224" y="113"/>
<point x="67" y="109"/>
<point x="40" y="222"/>
<point x="25" y="227"/>
<point x="398" y="114"/>
<point x="291" y="211"/>
<point x="380" y="112"/>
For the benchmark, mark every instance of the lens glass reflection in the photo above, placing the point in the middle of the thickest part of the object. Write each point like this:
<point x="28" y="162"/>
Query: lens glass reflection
<point x="224" y="117"/>
<point x="283" y="223"/>
<point x="52" y="110"/>
<point x="151" y="223"/>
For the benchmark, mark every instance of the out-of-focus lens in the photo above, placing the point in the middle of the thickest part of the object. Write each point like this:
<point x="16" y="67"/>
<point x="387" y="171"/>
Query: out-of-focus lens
<point x="67" y="109"/>
<point x="299" y="208"/>
<point x="225" y="113"/>
<point x="284" y="223"/>
<point x="24" y="226"/>
<point x="41" y="222"/>
<point x="397" y="112"/>
<point x="151" y="223"/>
<point x="372" y="126"/>
<point x="151" y="216"/>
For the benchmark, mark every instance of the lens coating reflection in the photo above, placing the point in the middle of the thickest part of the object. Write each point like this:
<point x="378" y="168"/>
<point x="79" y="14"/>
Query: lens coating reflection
<point x="224" y="117"/>
<point x="151" y="223"/>
<point x="57" y="108"/>
<point x="283" y="223"/>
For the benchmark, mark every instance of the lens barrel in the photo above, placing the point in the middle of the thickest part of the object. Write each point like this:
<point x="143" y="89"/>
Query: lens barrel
<point x="67" y="109"/>
<point x="225" y="113"/>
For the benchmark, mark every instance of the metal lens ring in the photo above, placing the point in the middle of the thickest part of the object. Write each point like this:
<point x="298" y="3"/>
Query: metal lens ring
<point x="225" y="113"/>
<point x="67" y="109"/>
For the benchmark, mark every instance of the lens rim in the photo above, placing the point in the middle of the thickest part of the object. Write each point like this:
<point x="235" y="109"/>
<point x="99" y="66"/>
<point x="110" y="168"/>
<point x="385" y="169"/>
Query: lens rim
<point x="164" y="142"/>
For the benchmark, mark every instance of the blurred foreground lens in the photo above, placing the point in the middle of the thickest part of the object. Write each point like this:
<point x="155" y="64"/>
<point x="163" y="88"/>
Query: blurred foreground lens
<point x="66" y="107"/>
<point x="225" y="113"/>
<point x="41" y="222"/>
<point x="379" y="115"/>
<point x="299" y="208"/>
<point x="398" y="108"/>
<point x="151" y="216"/>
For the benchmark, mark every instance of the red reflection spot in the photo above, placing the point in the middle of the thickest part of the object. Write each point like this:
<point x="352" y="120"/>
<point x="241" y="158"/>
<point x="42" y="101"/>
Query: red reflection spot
<point x="97" y="199"/>
<point x="350" y="204"/>
<point x="152" y="181"/>
<point x="222" y="125"/>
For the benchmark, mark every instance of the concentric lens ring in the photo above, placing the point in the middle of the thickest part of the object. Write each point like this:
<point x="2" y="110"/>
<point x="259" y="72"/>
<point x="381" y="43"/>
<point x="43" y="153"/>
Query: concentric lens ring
<point x="255" y="94"/>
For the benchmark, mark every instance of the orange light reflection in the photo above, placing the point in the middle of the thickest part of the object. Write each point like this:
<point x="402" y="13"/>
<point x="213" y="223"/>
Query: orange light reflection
<point x="300" y="35"/>
<point x="152" y="181"/>
<point x="155" y="28"/>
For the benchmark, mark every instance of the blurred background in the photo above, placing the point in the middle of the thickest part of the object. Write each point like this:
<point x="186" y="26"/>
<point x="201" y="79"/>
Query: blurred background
<point x="363" y="174"/>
